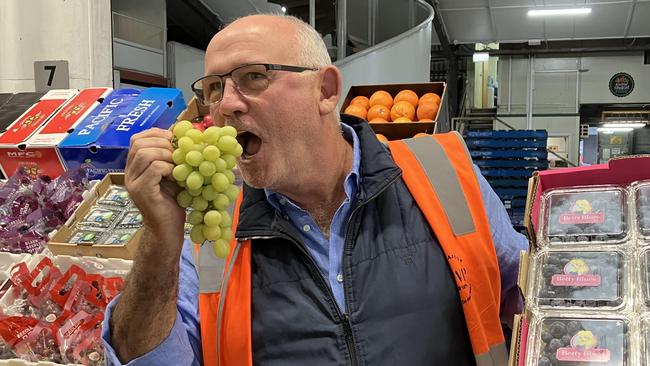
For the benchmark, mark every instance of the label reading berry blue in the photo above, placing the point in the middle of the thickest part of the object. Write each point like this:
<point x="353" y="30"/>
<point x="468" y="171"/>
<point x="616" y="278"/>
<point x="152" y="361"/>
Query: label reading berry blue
<point x="576" y="273"/>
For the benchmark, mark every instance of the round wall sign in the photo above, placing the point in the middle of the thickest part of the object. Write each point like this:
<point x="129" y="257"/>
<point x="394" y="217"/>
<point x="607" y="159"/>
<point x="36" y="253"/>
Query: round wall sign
<point x="621" y="84"/>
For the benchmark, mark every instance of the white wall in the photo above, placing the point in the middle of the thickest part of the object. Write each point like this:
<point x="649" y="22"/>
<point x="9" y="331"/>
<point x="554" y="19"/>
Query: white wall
<point x="78" y="31"/>
<point x="558" y="88"/>
<point x="595" y="81"/>
<point x="184" y="66"/>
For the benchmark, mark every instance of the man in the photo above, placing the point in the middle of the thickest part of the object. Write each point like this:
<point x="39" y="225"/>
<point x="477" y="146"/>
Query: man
<point x="341" y="266"/>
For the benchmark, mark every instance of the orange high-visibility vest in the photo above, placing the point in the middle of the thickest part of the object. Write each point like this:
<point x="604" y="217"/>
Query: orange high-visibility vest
<point x="439" y="174"/>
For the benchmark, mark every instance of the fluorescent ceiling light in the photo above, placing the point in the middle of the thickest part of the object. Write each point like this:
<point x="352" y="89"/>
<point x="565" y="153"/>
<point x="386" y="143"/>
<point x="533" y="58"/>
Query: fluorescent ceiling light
<point x="633" y="125"/>
<point x="552" y="12"/>
<point x="609" y="130"/>
<point x="481" y="57"/>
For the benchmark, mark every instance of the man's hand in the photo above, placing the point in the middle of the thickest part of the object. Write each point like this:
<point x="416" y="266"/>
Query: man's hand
<point x="146" y="311"/>
<point x="148" y="180"/>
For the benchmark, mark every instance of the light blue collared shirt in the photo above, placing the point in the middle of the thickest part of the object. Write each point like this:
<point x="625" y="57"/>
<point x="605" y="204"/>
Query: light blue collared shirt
<point x="326" y="252"/>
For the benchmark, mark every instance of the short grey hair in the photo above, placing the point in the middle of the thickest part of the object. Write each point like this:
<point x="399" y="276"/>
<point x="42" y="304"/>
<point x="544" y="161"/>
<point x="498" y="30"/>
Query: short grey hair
<point x="312" y="51"/>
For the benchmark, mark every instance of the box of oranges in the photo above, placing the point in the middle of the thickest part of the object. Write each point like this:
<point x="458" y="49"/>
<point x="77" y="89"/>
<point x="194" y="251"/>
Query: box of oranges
<point x="397" y="111"/>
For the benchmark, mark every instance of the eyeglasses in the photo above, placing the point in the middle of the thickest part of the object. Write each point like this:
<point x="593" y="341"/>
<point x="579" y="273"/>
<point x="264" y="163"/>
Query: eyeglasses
<point x="248" y="79"/>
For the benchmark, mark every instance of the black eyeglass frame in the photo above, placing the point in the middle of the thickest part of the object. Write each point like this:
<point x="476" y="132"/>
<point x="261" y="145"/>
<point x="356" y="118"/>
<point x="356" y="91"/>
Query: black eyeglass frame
<point x="269" y="67"/>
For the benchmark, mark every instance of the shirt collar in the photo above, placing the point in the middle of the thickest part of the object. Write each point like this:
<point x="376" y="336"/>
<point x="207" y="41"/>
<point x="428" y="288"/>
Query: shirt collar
<point x="352" y="180"/>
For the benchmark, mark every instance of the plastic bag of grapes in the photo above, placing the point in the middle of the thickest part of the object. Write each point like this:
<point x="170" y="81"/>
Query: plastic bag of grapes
<point x="586" y="215"/>
<point x="580" y="279"/>
<point x="584" y="341"/>
<point x="205" y="161"/>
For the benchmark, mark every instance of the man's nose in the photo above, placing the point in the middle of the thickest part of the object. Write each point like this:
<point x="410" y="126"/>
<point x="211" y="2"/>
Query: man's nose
<point x="232" y="101"/>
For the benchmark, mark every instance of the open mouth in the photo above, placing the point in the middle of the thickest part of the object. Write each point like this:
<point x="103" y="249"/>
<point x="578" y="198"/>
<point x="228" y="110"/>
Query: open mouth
<point x="250" y="142"/>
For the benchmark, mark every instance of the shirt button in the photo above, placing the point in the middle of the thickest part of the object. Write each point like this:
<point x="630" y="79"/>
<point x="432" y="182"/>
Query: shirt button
<point x="339" y="278"/>
<point x="306" y="228"/>
<point x="283" y="201"/>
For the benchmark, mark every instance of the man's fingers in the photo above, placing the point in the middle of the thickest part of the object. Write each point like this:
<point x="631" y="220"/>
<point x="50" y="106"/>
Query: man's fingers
<point x="143" y="158"/>
<point x="153" y="132"/>
<point x="145" y="143"/>
<point x="153" y="174"/>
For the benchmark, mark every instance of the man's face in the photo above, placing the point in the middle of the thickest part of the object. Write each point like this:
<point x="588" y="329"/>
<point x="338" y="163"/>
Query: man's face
<point x="277" y="124"/>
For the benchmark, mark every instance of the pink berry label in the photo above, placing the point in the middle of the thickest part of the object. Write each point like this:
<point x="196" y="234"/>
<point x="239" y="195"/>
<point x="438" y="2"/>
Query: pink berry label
<point x="580" y="218"/>
<point x="587" y="280"/>
<point x="588" y="355"/>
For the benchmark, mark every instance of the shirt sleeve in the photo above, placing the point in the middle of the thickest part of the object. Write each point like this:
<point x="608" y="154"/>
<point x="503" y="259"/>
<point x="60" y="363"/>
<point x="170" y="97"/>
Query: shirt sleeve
<point x="508" y="243"/>
<point x="182" y="346"/>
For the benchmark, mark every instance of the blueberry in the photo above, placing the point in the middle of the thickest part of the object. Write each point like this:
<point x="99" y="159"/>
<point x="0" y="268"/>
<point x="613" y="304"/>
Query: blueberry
<point x="554" y="345"/>
<point x="546" y="337"/>
<point x="566" y="340"/>
<point x="544" y="361"/>
<point x="558" y="329"/>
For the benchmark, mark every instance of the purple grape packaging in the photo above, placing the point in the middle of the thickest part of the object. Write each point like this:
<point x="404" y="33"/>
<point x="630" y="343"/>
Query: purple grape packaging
<point x="105" y="224"/>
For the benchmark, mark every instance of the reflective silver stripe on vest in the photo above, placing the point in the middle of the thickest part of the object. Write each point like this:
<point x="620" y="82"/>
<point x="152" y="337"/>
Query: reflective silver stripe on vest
<point x="222" y="298"/>
<point x="496" y="356"/>
<point x="209" y="268"/>
<point x="442" y="177"/>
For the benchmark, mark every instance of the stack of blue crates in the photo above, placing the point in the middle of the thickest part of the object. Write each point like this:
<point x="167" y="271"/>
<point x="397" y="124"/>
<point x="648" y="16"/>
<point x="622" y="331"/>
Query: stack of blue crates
<point x="507" y="159"/>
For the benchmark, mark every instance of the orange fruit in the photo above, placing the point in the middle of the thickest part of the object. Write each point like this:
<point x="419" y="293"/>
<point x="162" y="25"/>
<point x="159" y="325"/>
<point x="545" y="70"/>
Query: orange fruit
<point x="378" y="119"/>
<point x="430" y="97"/>
<point x="381" y="97"/>
<point x="360" y="99"/>
<point x="427" y="110"/>
<point x="378" y="111"/>
<point x="421" y="134"/>
<point x="402" y="119"/>
<point x="381" y="137"/>
<point x="425" y="120"/>
<point x="402" y="109"/>
<point x="356" y="110"/>
<point x="408" y="96"/>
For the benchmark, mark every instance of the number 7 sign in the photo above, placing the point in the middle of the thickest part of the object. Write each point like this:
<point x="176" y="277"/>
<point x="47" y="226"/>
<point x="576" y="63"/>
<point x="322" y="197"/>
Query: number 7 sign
<point x="51" y="75"/>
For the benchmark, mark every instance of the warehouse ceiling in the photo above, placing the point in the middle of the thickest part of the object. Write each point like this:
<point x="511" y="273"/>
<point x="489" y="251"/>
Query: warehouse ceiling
<point x="472" y="21"/>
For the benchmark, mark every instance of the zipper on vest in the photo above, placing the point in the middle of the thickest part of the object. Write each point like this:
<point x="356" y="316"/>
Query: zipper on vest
<point x="313" y="268"/>
<point x="349" y="339"/>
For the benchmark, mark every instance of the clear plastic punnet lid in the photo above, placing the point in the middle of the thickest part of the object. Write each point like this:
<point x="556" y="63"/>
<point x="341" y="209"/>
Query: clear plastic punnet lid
<point x="584" y="215"/>
<point x="580" y="279"/>
<point x="642" y="202"/>
<point x="645" y="277"/>
<point x="580" y="341"/>
<point x="644" y="343"/>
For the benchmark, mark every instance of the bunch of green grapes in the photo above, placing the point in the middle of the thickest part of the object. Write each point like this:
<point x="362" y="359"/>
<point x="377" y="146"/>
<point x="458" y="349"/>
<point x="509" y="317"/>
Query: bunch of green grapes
<point x="204" y="163"/>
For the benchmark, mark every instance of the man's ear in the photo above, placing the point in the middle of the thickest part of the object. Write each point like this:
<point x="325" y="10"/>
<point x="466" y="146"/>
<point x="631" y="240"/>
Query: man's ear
<point x="330" y="89"/>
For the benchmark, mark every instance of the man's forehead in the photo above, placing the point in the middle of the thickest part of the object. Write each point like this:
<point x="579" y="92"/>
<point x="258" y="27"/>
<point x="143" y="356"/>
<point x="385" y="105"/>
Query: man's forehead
<point x="237" y="45"/>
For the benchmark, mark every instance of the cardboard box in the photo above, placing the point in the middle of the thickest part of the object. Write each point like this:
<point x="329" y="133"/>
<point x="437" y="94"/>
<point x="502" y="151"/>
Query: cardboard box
<point x="15" y="106"/>
<point x="58" y="242"/>
<point x="402" y="130"/>
<point x="620" y="171"/>
<point x="154" y="107"/>
<point x="31" y="140"/>
<point x="82" y="140"/>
